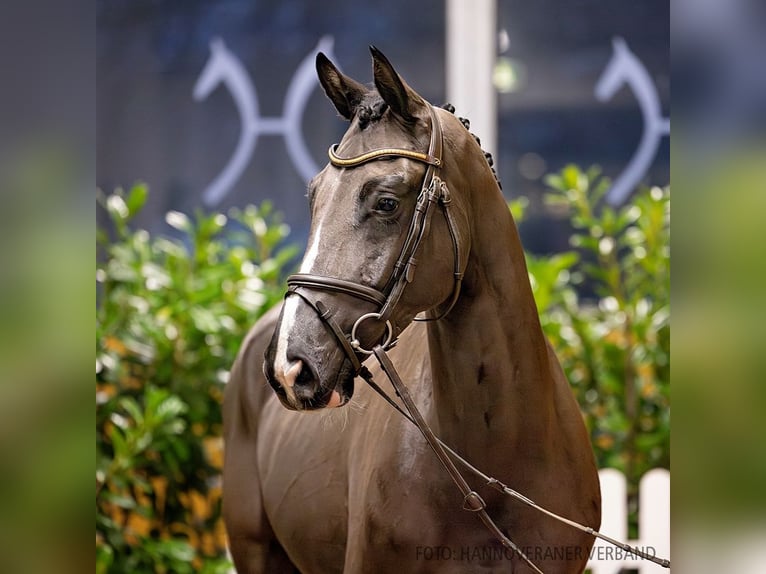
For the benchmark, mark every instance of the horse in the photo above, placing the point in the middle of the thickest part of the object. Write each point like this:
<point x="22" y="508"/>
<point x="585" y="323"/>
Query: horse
<point x="322" y="475"/>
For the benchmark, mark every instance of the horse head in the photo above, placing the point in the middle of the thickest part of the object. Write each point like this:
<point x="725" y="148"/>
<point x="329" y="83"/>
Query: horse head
<point x="371" y="250"/>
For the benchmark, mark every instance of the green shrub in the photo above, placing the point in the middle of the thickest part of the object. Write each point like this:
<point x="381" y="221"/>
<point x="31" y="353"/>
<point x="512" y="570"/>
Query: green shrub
<point x="614" y="347"/>
<point x="171" y="316"/>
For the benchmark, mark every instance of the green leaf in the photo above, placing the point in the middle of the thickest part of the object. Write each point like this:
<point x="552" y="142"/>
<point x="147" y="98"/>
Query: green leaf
<point x="177" y="550"/>
<point x="129" y="404"/>
<point x="104" y="558"/>
<point x="143" y="441"/>
<point x="119" y="443"/>
<point x="136" y="198"/>
<point x="573" y="178"/>
<point x="117" y="208"/>
<point x="125" y="502"/>
<point x="170" y="408"/>
<point x="204" y="319"/>
<point x="555" y="181"/>
<point x="179" y="221"/>
<point x="154" y="397"/>
<point x="518" y="208"/>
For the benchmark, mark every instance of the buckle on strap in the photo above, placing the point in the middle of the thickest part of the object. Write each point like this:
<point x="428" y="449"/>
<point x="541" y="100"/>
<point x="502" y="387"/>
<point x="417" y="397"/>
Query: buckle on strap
<point x="472" y="502"/>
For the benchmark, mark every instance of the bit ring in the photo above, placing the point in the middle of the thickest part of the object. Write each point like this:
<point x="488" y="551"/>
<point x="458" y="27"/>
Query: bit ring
<point x="357" y="346"/>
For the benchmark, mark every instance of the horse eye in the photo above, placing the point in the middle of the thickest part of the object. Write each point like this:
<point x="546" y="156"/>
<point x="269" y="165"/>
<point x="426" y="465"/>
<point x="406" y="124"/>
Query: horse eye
<point x="386" y="205"/>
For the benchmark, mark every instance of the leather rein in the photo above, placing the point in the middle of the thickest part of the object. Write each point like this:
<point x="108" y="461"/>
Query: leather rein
<point x="433" y="192"/>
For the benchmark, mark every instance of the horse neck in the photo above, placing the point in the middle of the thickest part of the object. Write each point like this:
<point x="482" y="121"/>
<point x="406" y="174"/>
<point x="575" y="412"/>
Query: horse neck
<point x="491" y="373"/>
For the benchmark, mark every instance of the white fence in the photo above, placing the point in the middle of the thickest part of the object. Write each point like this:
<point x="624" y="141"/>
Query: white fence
<point x="653" y="522"/>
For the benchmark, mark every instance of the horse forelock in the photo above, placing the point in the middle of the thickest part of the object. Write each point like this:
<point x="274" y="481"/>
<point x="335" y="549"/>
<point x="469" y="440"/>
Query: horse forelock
<point x="370" y="109"/>
<point x="371" y="127"/>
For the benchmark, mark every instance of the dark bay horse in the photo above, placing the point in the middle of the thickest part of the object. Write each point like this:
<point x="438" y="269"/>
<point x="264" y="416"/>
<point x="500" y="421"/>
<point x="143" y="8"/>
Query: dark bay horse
<point x="356" y="489"/>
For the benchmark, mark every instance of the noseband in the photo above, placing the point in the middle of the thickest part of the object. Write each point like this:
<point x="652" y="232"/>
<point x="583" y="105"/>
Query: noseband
<point x="433" y="191"/>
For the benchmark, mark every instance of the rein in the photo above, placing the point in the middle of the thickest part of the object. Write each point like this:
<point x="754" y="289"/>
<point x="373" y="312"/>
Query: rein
<point x="472" y="501"/>
<point x="433" y="191"/>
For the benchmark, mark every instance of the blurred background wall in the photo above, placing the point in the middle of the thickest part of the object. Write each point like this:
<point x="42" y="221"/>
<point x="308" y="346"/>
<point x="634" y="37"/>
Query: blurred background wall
<point x="536" y="93"/>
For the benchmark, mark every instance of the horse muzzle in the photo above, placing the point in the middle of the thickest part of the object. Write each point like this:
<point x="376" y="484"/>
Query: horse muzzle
<point x="308" y="376"/>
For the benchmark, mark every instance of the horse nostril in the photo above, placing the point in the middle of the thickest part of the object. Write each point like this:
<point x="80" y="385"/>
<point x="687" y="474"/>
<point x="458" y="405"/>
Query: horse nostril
<point x="300" y="377"/>
<point x="292" y="372"/>
<point x="305" y="377"/>
<point x="306" y="383"/>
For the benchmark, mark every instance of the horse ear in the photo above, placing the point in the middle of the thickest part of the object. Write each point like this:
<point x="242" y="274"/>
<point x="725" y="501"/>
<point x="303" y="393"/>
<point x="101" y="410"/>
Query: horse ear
<point x="402" y="99"/>
<point x="344" y="93"/>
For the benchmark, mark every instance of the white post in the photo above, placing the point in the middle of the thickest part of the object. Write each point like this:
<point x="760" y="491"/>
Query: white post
<point x="614" y="522"/>
<point x="653" y="522"/>
<point x="471" y="49"/>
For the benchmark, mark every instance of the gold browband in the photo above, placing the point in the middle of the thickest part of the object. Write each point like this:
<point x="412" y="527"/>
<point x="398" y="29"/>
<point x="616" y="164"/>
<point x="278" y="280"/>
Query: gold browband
<point x="375" y="154"/>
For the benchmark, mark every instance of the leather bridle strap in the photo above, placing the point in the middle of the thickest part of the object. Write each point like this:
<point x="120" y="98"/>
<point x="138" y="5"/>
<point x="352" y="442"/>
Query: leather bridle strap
<point x="326" y="316"/>
<point x="338" y="285"/>
<point x="338" y="161"/>
<point x="430" y="193"/>
<point x="446" y="202"/>
<point x="404" y="269"/>
<point x="472" y="501"/>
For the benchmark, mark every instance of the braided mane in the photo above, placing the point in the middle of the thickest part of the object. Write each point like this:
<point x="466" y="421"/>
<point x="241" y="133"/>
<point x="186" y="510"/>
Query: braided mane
<point x="467" y="125"/>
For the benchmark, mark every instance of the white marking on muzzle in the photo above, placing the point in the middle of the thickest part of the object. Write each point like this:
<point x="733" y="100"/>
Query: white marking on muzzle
<point x="307" y="265"/>
<point x="282" y="366"/>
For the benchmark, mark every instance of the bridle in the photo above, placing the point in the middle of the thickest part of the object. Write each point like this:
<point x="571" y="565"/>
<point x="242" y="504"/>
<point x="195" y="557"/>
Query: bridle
<point x="433" y="192"/>
<point x="304" y="285"/>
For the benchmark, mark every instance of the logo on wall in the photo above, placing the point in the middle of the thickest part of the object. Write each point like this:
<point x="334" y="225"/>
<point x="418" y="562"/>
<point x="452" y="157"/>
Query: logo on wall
<point x="626" y="68"/>
<point x="224" y="67"/>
